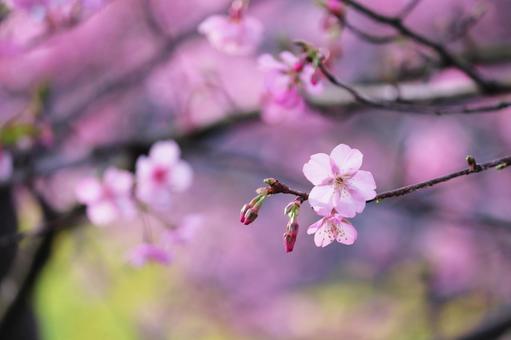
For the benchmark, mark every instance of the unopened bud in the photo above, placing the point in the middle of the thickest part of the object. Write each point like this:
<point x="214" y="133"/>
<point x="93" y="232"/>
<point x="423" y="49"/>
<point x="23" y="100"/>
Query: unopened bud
<point x="270" y="181"/>
<point x="243" y="212"/>
<point x="471" y="161"/>
<point x="290" y="236"/>
<point x="250" y="216"/>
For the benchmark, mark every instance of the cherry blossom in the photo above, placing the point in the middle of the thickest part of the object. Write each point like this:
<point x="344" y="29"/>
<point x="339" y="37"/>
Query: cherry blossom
<point x="330" y="228"/>
<point x="288" y="72"/>
<point x="236" y="34"/>
<point x="107" y="199"/>
<point x="283" y="80"/>
<point x="6" y="166"/>
<point x="338" y="182"/>
<point x="149" y="252"/>
<point x="161" y="174"/>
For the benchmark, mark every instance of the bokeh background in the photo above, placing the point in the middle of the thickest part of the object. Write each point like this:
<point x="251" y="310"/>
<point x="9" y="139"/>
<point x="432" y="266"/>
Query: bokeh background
<point x="433" y="264"/>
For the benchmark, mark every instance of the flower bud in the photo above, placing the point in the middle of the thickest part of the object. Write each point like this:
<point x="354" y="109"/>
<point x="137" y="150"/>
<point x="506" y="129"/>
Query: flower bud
<point x="270" y="181"/>
<point x="243" y="212"/>
<point x="290" y="236"/>
<point x="335" y="7"/>
<point x="250" y="216"/>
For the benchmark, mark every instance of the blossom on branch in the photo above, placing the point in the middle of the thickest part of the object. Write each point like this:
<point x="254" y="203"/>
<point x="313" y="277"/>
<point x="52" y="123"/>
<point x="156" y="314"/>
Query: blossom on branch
<point x="330" y="228"/>
<point x="338" y="182"/>
<point x="284" y="78"/>
<point x="108" y="199"/>
<point x="161" y="174"/>
<point x="236" y="34"/>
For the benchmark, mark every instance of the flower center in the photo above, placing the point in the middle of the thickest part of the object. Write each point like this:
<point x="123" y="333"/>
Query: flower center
<point x="338" y="182"/>
<point x="159" y="175"/>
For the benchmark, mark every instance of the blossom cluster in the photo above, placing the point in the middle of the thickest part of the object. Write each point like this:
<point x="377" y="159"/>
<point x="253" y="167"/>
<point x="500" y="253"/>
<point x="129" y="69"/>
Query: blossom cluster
<point x="285" y="77"/>
<point x="121" y="196"/>
<point x="340" y="192"/>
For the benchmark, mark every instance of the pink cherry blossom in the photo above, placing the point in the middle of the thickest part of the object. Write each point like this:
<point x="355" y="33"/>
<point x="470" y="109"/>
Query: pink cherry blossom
<point x="107" y="199"/>
<point x="290" y="72"/>
<point x="283" y="80"/>
<point x="330" y="228"/>
<point x="148" y="252"/>
<point x="339" y="184"/>
<point x="236" y="34"/>
<point x="185" y="231"/>
<point x="286" y="107"/>
<point x="161" y="174"/>
<point x="6" y="166"/>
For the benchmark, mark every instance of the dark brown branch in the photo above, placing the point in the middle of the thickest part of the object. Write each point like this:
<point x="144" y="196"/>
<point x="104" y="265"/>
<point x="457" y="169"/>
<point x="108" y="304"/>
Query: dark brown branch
<point x="487" y="86"/>
<point x="277" y="187"/>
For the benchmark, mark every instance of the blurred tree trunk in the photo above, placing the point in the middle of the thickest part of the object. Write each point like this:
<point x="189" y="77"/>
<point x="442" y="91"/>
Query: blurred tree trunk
<point x="19" y="321"/>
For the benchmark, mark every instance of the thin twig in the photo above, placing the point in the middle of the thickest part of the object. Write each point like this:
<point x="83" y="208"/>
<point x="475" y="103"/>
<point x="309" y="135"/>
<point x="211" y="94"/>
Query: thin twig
<point x="419" y="108"/>
<point x="487" y="86"/>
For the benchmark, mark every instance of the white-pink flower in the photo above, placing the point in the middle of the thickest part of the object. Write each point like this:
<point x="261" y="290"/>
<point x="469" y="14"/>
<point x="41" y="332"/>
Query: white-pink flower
<point x="161" y="174"/>
<point x="330" y="228"/>
<point x="148" y="252"/>
<point x="108" y="199"/>
<point x="236" y="34"/>
<point x="339" y="182"/>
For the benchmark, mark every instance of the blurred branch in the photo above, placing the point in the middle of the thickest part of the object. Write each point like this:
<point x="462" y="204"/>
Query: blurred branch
<point x="52" y="224"/>
<point x="399" y="104"/>
<point x="276" y="187"/>
<point x="448" y="58"/>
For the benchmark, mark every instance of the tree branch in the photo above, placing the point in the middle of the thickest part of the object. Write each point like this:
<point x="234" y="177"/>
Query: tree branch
<point x="276" y="187"/>
<point x="408" y="106"/>
<point x="448" y="58"/>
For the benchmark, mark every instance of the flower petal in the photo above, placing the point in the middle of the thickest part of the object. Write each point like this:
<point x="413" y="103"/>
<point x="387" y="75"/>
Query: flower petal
<point x="318" y="169"/>
<point x="182" y="175"/>
<point x="120" y="181"/>
<point x="347" y="234"/>
<point x="325" y="235"/>
<point x="320" y="198"/>
<point x="347" y="203"/>
<point x="165" y="152"/>
<point x="88" y="190"/>
<point x="345" y="159"/>
<point x="315" y="226"/>
<point x="363" y="183"/>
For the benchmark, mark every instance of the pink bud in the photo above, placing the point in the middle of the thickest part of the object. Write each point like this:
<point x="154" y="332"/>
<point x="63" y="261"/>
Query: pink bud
<point x="335" y="7"/>
<point x="250" y="216"/>
<point x="243" y="212"/>
<point x="290" y="236"/>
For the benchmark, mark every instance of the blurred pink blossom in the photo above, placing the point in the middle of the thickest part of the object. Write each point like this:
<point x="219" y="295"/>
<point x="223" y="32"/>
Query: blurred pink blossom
<point x="161" y="174"/>
<point x="6" y="166"/>
<point x="283" y="80"/>
<point x="330" y="228"/>
<point x="148" y="252"/>
<point x="185" y="231"/>
<point x="339" y="184"/>
<point x="107" y="199"/>
<point x="236" y="34"/>
<point x="452" y="254"/>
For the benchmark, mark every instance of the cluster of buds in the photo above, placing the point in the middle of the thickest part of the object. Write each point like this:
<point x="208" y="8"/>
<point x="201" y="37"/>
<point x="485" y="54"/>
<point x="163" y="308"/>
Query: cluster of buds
<point x="250" y="211"/>
<point x="291" y="233"/>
